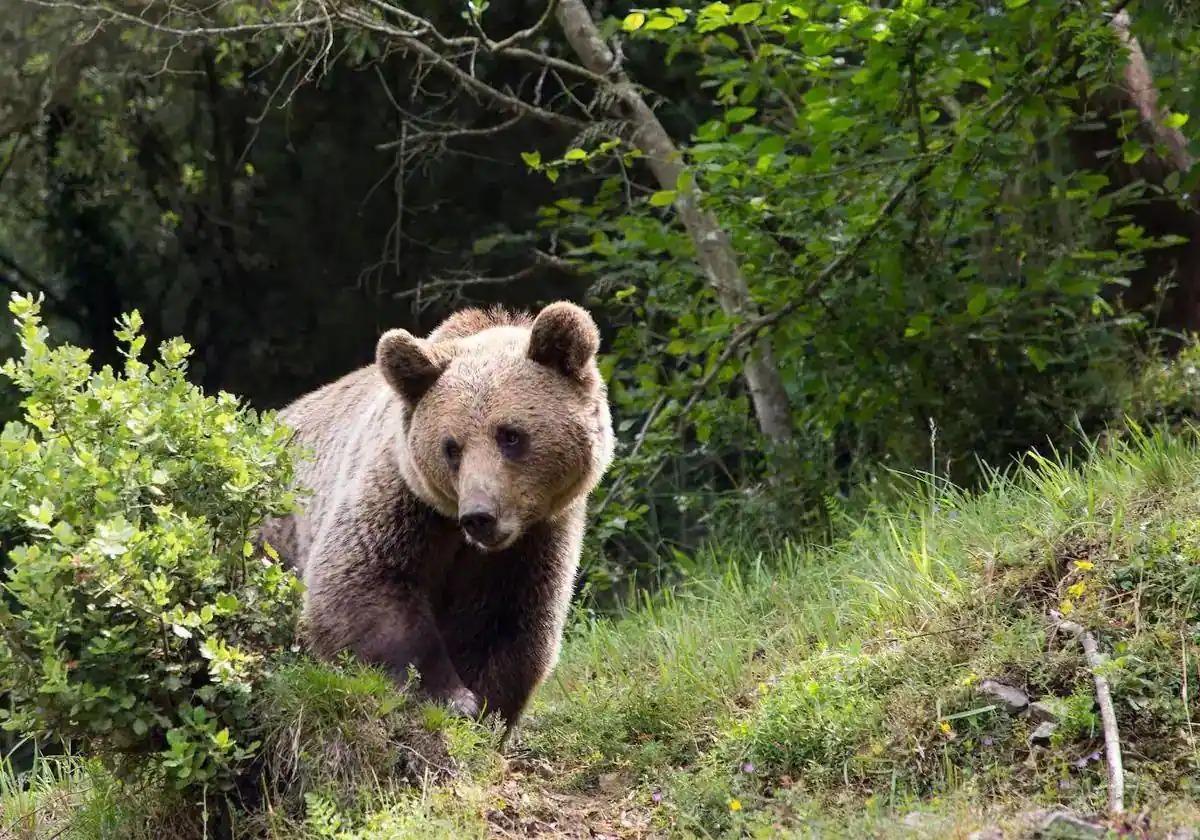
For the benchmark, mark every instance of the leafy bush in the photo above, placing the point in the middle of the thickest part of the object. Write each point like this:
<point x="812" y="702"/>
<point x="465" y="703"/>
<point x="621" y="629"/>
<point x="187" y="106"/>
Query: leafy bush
<point x="816" y="719"/>
<point x="136" y="618"/>
<point x="1166" y="390"/>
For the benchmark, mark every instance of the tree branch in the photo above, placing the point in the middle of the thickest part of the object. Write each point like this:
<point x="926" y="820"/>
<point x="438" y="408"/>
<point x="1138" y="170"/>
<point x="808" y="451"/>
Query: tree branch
<point x="528" y="32"/>
<point x="450" y="133"/>
<point x="407" y="40"/>
<point x="180" y="32"/>
<point x="1108" y="717"/>
<point x="1139" y="87"/>
<point x="714" y="251"/>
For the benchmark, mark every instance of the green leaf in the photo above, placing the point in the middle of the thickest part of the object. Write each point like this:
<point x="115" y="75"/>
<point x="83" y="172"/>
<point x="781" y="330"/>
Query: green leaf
<point x="747" y="13"/>
<point x="1038" y="356"/>
<point x="575" y="154"/>
<point x="1015" y="4"/>
<point x="1176" y="120"/>
<point x="740" y="114"/>
<point x="532" y="159"/>
<point x="1132" y="151"/>
<point x="662" y="198"/>
<point x="918" y="325"/>
<point x="633" y="21"/>
<point x="659" y="23"/>
<point x="978" y="303"/>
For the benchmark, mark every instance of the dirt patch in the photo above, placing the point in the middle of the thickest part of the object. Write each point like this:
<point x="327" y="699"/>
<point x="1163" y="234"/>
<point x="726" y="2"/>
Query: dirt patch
<point x="526" y="806"/>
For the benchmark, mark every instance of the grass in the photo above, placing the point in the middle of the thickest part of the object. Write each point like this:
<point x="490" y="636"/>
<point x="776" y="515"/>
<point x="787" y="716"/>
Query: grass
<point x="789" y="690"/>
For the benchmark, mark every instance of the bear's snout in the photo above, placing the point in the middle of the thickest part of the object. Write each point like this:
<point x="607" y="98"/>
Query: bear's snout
<point x="485" y="525"/>
<point x="480" y="526"/>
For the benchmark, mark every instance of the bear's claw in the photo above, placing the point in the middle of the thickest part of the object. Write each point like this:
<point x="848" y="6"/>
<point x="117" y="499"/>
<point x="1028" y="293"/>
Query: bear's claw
<point x="465" y="703"/>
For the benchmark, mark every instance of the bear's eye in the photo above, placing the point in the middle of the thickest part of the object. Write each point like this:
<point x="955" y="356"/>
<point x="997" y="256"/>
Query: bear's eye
<point x="453" y="451"/>
<point x="512" y="442"/>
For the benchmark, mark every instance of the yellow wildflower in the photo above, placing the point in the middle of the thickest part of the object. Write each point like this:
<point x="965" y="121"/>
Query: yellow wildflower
<point x="1085" y="565"/>
<point x="735" y="805"/>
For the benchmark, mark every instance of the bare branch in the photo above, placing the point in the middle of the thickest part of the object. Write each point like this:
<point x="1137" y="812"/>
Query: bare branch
<point x="452" y="133"/>
<point x="407" y="41"/>
<point x="181" y="32"/>
<point x="1108" y="716"/>
<point x="458" y="283"/>
<point x="528" y="32"/>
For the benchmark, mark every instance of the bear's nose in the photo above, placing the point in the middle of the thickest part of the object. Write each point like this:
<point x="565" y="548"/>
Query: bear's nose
<point x="479" y="525"/>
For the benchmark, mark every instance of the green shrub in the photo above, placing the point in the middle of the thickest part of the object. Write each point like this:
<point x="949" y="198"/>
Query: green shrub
<point x="1166" y="389"/>
<point x="135" y="616"/>
<point x="816" y="719"/>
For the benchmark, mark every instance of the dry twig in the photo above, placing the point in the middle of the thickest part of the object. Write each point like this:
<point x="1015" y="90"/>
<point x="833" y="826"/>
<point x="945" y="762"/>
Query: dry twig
<point x="1108" y="717"/>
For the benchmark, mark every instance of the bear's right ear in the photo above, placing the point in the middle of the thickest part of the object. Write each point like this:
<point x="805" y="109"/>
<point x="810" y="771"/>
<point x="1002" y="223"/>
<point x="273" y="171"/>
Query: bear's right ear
<point x="565" y="337"/>
<point x="410" y="365"/>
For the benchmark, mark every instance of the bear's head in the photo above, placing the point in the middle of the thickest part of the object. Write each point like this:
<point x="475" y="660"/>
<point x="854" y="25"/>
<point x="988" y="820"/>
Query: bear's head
<point x="506" y="421"/>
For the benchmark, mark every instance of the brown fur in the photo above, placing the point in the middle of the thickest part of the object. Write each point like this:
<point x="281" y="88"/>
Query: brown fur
<point x="390" y="574"/>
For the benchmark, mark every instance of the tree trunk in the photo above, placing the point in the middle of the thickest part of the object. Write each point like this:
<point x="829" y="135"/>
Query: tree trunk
<point x="1139" y="87"/>
<point x="1160" y="216"/>
<point x="714" y="251"/>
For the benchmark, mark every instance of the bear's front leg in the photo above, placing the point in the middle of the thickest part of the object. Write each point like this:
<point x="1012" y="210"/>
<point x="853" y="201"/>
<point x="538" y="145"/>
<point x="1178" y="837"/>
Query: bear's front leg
<point x="508" y="670"/>
<point x="520" y="624"/>
<point x="389" y="624"/>
<point x="405" y="636"/>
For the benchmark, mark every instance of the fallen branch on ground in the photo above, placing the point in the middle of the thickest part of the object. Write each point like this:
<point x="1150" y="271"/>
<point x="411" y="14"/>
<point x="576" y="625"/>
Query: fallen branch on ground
<point x="1108" y="717"/>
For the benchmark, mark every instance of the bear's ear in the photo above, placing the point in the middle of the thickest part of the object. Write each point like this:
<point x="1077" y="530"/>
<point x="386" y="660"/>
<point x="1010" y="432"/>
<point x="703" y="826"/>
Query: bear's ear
<point x="409" y="364"/>
<point x="564" y="337"/>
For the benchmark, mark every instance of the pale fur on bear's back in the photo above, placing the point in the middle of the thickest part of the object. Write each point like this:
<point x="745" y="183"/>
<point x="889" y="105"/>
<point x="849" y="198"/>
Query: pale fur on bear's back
<point x="333" y="451"/>
<point x="389" y="572"/>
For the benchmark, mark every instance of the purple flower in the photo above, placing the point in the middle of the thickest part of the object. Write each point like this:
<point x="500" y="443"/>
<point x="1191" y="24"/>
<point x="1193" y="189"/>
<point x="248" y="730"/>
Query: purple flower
<point x="656" y="797"/>
<point x="987" y="740"/>
<point x="1094" y="756"/>
<point x="1081" y="762"/>
<point x="747" y="767"/>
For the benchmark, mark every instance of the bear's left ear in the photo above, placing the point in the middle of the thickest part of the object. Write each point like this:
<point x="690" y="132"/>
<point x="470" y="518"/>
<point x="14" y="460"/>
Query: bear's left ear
<point x="564" y="337"/>
<point x="410" y="365"/>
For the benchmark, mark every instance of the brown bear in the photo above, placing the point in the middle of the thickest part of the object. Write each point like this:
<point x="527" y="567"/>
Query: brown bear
<point x="449" y="482"/>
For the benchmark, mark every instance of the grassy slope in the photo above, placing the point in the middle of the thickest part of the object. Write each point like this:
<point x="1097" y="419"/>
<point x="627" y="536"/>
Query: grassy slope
<point x="827" y="691"/>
